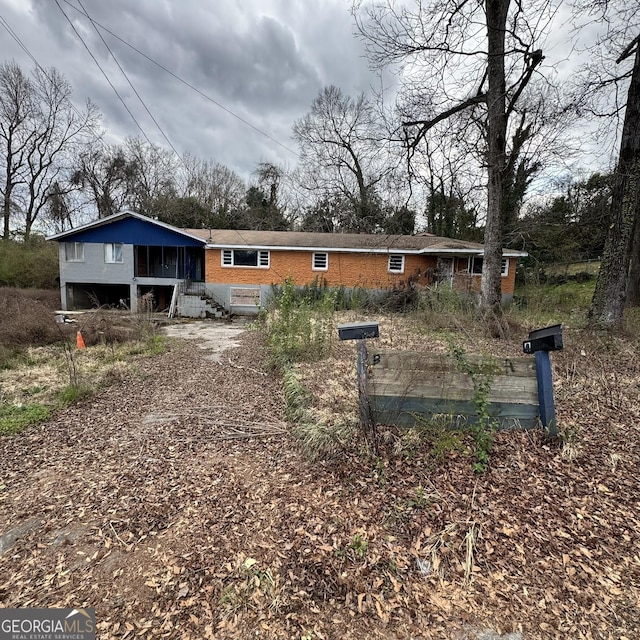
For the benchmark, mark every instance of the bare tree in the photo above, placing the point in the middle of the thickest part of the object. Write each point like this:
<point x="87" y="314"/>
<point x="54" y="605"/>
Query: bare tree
<point x="609" y="90"/>
<point x="343" y="151"/>
<point x="218" y="189"/>
<point x="153" y="182"/>
<point x="17" y="109"/>
<point x="107" y="175"/>
<point x="462" y="56"/>
<point x="40" y="131"/>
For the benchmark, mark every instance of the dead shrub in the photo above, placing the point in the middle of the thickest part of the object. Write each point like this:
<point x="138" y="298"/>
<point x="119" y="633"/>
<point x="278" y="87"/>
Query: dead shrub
<point x="105" y="328"/>
<point x="50" y="298"/>
<point x="26" y="321"/>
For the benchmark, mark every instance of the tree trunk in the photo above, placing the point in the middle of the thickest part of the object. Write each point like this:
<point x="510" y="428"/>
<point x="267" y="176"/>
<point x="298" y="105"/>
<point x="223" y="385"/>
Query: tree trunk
<point x="607" y="306"/>
<point x="633" y="285"/>
<point x="491" y="289"/>
<point x="6" y="213"/>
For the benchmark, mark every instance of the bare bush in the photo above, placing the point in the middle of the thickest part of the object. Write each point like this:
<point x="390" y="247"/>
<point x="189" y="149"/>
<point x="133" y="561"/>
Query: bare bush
<point x="27" y="320"/>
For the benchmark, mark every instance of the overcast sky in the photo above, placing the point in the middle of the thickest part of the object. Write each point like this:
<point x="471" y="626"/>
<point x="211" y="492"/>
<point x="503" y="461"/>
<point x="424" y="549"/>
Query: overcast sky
<point x="264" y="60"/>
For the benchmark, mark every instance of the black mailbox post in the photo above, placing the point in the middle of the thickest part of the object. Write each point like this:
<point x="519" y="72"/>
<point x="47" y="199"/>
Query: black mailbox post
<point x="360" y="331"/>
<point x="540" y="343"/>
<point x="547" y="339"/>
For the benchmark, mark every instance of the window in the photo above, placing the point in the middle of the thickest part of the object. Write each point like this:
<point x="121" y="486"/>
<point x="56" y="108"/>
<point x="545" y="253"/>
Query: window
<point x="245" y="258"/>
<point x="113" y="252"/>
<point x="74" y="251"/>
<point x="476" y="266"/>
<point x="320" y="262"/>
<point x="396" y="263"/>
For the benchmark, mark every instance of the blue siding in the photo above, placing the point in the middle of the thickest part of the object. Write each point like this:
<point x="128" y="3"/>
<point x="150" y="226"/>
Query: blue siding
<point x="134" y="231"/>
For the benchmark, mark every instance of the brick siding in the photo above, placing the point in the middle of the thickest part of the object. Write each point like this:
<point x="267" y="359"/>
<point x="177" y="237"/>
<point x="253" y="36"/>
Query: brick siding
<point x="367" y="270"/>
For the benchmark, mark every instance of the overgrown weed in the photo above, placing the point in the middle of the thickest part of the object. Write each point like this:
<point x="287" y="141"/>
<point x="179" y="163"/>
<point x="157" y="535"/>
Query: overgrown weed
<point x="298" y="326"/>
<point x="316" y="437"/>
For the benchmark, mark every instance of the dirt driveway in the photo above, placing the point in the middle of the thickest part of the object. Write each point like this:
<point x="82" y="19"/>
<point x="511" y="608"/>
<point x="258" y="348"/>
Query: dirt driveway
<point x="213" y="337"/>
<point x="176" y="503"/>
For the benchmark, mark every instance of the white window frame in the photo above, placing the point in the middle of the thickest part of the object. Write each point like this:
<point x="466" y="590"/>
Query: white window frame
<point x="320" y="261"/>
<point x="263" y="259"/>
<point x="504" y="270"/>
<point x="393" y="258"/>
<point x="113" y="251"/>
<point x="76" y="254"/>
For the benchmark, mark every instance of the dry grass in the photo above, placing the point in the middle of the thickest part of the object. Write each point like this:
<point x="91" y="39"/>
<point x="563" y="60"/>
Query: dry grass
<point x="178" y="530"/>
<point x="27" y="319"/>
<point x="40" y="367"/>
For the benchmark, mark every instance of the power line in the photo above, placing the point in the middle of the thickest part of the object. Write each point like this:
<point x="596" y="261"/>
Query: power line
<point x="103" y="72"/>
<point x="164" y="135"/>
<point x="185" y="82"/>
<point x="94" y="23"/>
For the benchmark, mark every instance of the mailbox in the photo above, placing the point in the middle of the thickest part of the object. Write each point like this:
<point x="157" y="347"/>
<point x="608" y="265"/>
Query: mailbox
<point x="547" y="339"/>
<point x="358" y="330"/>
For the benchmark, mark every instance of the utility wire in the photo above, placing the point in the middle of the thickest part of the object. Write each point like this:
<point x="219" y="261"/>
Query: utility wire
<point x="103" y="72"/>
<point x="164" y="135"/>
<point x="94" y="23"/>
<point x="185" y="82"/>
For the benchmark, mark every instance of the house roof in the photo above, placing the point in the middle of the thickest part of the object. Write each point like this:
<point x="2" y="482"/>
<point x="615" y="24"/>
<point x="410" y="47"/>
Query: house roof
<point x="350" y="242"/>
<point x="116" y="217"/>
<point x="421" y="243"/>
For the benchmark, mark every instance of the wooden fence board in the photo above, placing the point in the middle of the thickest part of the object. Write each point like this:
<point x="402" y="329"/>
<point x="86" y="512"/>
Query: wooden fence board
<point x="403" y="411"/>
<point x="402" y="384"/>
<point x="417" y="361"/>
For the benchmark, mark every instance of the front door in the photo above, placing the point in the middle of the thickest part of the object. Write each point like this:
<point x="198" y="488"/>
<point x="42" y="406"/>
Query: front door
<point x="444" y="271"/>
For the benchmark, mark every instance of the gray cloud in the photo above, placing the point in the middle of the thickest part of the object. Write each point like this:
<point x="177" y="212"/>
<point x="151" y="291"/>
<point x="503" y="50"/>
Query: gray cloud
<point x="265" y="60"/>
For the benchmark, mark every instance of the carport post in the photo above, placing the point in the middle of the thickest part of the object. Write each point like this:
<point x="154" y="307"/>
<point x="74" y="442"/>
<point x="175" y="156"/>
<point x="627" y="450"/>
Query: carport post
<point x="133" y="297"/>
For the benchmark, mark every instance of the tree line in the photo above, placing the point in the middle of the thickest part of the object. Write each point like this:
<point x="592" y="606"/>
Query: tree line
<point x="477" y="119"/>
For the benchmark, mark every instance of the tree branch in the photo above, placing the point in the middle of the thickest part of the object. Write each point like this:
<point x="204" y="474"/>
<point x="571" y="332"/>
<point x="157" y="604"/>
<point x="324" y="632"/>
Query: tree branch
<point x="629" y="49"/>
<point x="428" y="124"/>
<point x="533" y="60"/>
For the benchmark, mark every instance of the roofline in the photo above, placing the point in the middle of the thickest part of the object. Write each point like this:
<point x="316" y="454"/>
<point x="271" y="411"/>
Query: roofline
<point x="426" y="250"/>
<point x="123" y="214"/>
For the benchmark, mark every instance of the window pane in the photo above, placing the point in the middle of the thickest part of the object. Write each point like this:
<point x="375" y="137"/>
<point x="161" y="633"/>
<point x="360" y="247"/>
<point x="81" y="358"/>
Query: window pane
<point x="476" y="266"/>
<point x="320" y="260"/>
<point x="227" y="257"/>
<point x="113" y="252"/>
<point x="243" y="258"/>
<point x="396" y="263"/>
<point x="74" y="251"/>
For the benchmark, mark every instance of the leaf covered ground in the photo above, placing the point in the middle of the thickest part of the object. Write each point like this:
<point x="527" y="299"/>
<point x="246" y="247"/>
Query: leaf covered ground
<point x="177" y="504"/>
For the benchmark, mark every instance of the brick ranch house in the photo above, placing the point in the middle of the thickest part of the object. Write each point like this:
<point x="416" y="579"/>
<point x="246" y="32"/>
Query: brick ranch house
<point x="199" y="272"/>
